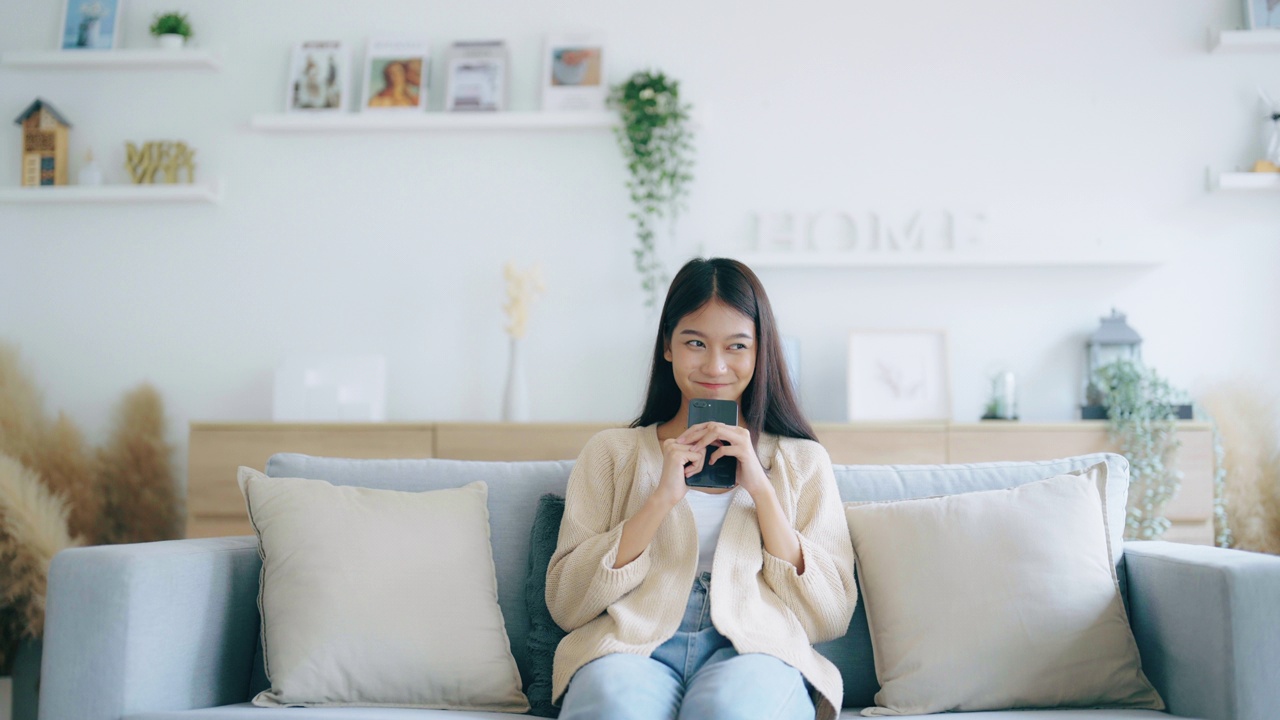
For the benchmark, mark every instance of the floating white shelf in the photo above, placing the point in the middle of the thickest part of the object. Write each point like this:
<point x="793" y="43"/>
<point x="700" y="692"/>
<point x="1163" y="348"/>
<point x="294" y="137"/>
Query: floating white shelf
<point x="139" y="59"/>
<point x="358" y="122"/>
<point x="1245" y="41"/>
<point x="1244" y="181"/>
<point x="120" y="193"/>
<point x="435" y="120"/>
<point x="902" y="259"/>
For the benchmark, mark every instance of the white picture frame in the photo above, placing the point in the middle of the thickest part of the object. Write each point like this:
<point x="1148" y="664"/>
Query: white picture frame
<point x="477" y="76"/>
<point x="319" y="77"/>
<point x="573" y="73"/>
<point x="899" y="375"/>
<point x="397" y="75"/>
<point x="1262" y="14"/>
<point x="86" y="22"/>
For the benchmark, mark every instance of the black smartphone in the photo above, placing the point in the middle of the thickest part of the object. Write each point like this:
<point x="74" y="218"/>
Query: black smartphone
<point x="724" y="473"/>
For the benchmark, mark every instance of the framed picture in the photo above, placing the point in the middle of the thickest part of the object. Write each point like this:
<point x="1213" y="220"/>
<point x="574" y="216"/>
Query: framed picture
<point x="396" y="74"/>
<point x="573" y="74"/>
<point x="318" y="77"/>
<point x="476" y="76"/>
<point x="90" y="24"/>
<point x="899" y="375"/>
<point x="1262" y="14"/>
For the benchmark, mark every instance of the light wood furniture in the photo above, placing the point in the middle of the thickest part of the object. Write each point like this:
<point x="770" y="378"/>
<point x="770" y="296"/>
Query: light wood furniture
<point x="215" y="508"/>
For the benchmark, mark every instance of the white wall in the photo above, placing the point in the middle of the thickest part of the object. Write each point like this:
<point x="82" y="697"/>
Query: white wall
<point x="1068" y="124"/>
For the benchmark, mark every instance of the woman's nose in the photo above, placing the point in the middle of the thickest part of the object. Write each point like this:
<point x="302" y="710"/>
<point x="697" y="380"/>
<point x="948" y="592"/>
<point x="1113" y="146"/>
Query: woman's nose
<point x="715" y="363"/>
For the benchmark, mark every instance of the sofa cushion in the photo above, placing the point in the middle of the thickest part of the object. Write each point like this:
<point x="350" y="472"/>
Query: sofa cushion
<point x="544" y="634"/>
<point x="379" y="597"/>
<point x="514" y="489"/>
<point x="997" y="599"/>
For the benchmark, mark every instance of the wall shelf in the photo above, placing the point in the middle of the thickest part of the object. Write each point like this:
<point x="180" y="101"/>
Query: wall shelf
<point x="816" y="260"/>
<point x="1244" y="41"/>
<point x="119" y="193"/>
<point x="1244" y="181"/>
<point x="301" y="122"/>
<point x="372" y="122"/>
<point x="130" y="59"/>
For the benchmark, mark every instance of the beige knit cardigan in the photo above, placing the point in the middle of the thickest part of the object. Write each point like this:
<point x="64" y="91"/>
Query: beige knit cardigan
<point x="758" y="601"/>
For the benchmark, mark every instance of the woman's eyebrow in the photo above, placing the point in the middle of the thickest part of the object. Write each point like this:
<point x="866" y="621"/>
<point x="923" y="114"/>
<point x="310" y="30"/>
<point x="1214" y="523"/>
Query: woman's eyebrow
<point x="687" y="331"/>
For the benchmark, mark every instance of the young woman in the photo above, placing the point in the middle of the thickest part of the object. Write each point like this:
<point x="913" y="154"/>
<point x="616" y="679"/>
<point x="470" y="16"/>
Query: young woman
<point x="681" y="601"/>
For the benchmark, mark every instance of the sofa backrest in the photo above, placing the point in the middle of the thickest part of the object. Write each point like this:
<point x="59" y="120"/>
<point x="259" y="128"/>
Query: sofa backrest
<point x="515" y="487"/>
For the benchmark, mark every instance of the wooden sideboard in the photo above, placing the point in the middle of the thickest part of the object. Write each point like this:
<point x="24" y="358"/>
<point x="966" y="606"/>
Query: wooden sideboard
<point x="215" y="507"/>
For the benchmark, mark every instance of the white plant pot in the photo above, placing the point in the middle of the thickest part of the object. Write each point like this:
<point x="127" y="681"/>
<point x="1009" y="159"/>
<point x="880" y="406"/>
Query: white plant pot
<point x="515" y="401"/>
<point x="171" y="41"/>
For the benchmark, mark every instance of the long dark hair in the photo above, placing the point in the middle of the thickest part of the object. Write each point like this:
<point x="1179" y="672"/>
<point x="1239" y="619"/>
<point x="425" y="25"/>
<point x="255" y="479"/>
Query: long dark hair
<point x="768" y="403"/>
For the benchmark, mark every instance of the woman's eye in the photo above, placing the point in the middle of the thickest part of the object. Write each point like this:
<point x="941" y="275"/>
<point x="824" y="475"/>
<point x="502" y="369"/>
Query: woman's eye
<point x="738" y="346"/>
<point x="694" y="343"/>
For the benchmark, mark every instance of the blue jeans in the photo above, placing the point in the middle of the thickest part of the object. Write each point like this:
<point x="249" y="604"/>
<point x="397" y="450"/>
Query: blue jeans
<point x="695" y="675"/>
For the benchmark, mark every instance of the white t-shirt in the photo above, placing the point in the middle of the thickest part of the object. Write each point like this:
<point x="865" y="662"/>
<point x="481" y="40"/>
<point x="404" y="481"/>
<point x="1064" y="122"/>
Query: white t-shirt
<point x="708" y="514"/>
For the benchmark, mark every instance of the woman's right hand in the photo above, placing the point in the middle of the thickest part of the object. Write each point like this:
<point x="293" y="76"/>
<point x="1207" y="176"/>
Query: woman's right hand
<point x="679" y="461"/>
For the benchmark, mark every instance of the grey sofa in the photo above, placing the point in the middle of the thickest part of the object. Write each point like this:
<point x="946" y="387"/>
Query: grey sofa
<point x="169" y="630"/>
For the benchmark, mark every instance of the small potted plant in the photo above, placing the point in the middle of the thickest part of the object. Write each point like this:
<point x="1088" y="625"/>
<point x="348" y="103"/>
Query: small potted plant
<point x="172" y="29"/>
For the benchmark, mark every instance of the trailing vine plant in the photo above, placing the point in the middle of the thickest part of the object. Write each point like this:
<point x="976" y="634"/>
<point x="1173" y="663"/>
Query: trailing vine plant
<point x="1142" y="419"/>
<point x="657" y="145"/>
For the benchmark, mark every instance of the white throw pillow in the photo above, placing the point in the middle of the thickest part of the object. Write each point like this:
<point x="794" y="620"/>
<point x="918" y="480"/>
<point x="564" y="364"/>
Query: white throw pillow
<point x="997" y="599"/>
<point x="379" y="598"/>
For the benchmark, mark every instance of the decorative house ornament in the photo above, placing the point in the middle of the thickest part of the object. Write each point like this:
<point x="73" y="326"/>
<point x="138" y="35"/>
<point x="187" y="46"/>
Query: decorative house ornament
<point x="169" y="158"/>
<point x="44" y="145"/>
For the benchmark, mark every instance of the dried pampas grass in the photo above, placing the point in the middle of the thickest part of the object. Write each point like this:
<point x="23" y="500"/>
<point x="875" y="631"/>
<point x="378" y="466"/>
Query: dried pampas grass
<point x="1247" y="423"/>
<point x="139" y="499"/>
<point x="33" y="528"/>
<point x="69" y="469"/>
<point x="22" y="419"/>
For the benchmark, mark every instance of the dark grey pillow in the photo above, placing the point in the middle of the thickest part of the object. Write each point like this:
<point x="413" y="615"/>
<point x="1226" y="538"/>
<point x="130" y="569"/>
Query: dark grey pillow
<point x="544" y="633"/>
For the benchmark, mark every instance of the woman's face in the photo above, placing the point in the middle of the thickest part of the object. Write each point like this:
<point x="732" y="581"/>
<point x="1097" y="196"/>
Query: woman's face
<point x="713" y="353"/>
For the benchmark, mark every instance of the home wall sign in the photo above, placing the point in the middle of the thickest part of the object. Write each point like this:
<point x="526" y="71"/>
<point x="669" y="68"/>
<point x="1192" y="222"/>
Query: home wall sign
<point x="842" y="232"/>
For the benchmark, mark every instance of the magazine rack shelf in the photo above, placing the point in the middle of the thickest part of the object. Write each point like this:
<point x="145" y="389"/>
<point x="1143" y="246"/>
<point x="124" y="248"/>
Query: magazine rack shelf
<point x="119" y="193"/>
<point x="137" y="59"/>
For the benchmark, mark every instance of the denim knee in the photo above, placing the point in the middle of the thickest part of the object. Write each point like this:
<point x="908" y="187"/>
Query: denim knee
<point x="755" y="686"/>
<point x="625" y="687"/>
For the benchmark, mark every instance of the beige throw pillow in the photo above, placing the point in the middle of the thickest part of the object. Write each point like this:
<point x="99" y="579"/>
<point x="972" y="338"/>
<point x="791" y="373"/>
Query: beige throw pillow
<point x="379" y="597"/>
<point x="995" y="600"/>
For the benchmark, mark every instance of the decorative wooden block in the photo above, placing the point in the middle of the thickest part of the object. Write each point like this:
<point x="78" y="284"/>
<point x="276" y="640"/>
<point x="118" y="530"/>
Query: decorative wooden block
<point x="44" y="145"/>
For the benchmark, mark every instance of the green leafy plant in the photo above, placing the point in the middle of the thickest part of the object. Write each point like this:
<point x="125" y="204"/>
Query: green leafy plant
<point x="171" y="23"/>
<point x="657" y="145"/>
<point x="1142" y="417"/>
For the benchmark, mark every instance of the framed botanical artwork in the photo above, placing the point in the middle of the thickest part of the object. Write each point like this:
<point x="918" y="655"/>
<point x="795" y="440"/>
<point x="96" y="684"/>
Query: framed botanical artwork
<point x="318" y="77"/>
<point x="1262" y="14"/>
<point x="573" y="73"/>
<point x="90" y="24"/>
<point x="396" y="75"/>
<point x="476" y="76"/>
<point x="899" y="375"/>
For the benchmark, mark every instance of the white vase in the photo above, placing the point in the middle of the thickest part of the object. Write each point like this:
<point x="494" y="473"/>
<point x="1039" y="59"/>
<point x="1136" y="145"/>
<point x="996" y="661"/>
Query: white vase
<point x="515" y="400"/>
<point x="171" y="41"/>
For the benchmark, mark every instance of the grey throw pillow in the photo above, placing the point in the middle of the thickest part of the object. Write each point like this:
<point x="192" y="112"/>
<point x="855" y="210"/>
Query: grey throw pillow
<point x="544" y="633"/>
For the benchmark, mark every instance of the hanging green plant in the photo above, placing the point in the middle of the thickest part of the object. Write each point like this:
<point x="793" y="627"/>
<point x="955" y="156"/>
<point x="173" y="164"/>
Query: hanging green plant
<point x="1143" y="422"/>
<point x="657" y="145"/>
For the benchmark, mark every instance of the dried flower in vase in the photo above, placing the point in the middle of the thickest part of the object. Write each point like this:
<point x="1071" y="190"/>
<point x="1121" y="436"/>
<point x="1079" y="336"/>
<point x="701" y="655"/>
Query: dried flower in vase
<point x="523" y="286"/>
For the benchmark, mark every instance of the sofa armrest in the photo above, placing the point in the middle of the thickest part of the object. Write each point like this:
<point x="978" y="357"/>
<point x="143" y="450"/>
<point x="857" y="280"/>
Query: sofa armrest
<point x="149" y="627"/>
<point x="1207" y="622"/>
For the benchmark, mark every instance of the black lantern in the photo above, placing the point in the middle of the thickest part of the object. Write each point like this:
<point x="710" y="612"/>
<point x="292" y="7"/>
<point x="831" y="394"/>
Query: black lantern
<point x="1113" y="340"/>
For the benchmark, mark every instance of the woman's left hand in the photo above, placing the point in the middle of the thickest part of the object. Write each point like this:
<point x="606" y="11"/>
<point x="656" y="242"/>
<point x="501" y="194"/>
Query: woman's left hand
<point x="734" y="442"/>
